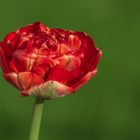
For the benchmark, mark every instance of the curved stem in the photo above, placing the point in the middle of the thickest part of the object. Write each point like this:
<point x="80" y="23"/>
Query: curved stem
<point x="36" y="119"/>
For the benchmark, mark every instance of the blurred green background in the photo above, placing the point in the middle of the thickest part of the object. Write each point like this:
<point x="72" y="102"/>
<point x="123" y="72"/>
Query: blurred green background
<point x="108" y="107"/>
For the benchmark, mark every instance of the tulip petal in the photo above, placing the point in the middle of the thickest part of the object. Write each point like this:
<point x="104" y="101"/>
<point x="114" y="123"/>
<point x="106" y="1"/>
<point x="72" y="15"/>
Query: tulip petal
<point x="64" y="48"/>
<point x="4" y="61"/>
<point x="62" y="75"/>
<point x="74" y="42"/>
<point x="49" y="90"/>
<point x="42" y="65"/>
<point x="85" y="79"/>
<point x="98" y="56"/>
<point x="12" y="78"/>
<point x="41" y="70"/>
<point x="35" y="28"/>
<point x="68" y="62"/>
<point x="29" y="79"/>
<point x="20" y="62"/>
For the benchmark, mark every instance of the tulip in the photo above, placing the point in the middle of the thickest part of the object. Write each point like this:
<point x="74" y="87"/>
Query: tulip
<point x="48" y="63"/>
<point x="36" y="59"/>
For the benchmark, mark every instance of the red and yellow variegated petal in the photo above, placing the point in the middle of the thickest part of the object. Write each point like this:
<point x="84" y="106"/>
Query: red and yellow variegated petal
<point x="85" y="79"/>
<point x="43" y="28"/>
<point x="62" y="61"/>
<point x="21" y="62"/>
<point x="68" y="62"/>
<point x="4" y="62"/>
<point x="73" y="64"/>
<point x="63" y="90"/>
<point x="98" y="56"/>
<point x="8" y="44"/>
<point x="39" y="27"/>
<point x="57" y="74"/>
<point x="89" y="59"/>
<point x="43" y="60"/>
<point x="74" y="42"/>
<point x="59" y="34"/>
<point x="33" y="28"/>
<point x="42" y="65"/>
<point x="30" y="43"/>
<point x="62" y="75"/>
<point x="92" y="70"/>
<point x="49" y="90"/>
<point x="29" y="79"/>
<point x="64" y="48"/>
<point x="10" y="38"/>
<point x="71" y="44"/>
<point x="43" y="51"/>
<point x="92" y="54"/>
<point x="17" y="66"/>
<point x="25" y="29"/>
<point x="24" y="39"/>
<point x="88" y="51"/>
<point x="41" y="70"/>
<point x="12" y="78"/>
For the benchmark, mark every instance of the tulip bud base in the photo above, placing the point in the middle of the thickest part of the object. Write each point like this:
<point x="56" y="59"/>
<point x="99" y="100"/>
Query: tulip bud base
<point x="50" y="90"/>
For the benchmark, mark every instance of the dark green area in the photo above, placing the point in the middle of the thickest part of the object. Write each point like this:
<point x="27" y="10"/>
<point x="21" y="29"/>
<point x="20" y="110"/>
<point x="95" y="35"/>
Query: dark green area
<point x="108" y="107"/>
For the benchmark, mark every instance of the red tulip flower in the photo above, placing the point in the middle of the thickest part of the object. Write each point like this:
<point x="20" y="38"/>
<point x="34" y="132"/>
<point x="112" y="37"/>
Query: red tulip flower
<point x="48" y="63"/>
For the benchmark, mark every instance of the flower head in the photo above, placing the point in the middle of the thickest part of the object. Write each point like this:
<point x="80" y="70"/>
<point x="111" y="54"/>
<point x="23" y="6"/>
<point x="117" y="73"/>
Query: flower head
<point x="48" y="63"/>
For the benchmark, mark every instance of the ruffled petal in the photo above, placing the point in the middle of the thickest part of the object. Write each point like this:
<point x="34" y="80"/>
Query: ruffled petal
<point x="28" y="80"/>
<point x="98" y="56"/>
<point x="23" y="60"/>
<point x="49" y="90"/>
<point x="85" y="79"/>
<point x="4" y="62"/>
<point x="68" y="62"/>
<point x="13" y="79"/>
<point x="34" y="28"/>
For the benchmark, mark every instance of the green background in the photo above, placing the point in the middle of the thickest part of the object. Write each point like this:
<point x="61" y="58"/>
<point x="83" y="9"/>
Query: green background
<point x="108" y="107"/>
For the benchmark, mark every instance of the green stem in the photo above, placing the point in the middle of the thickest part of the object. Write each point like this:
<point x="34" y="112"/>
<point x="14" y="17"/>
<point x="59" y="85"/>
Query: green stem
<point x="36" y="119"/>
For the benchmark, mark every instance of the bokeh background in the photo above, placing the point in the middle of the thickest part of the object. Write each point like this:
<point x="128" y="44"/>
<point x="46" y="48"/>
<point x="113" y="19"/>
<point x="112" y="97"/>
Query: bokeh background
<point x="108" y="107"/>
